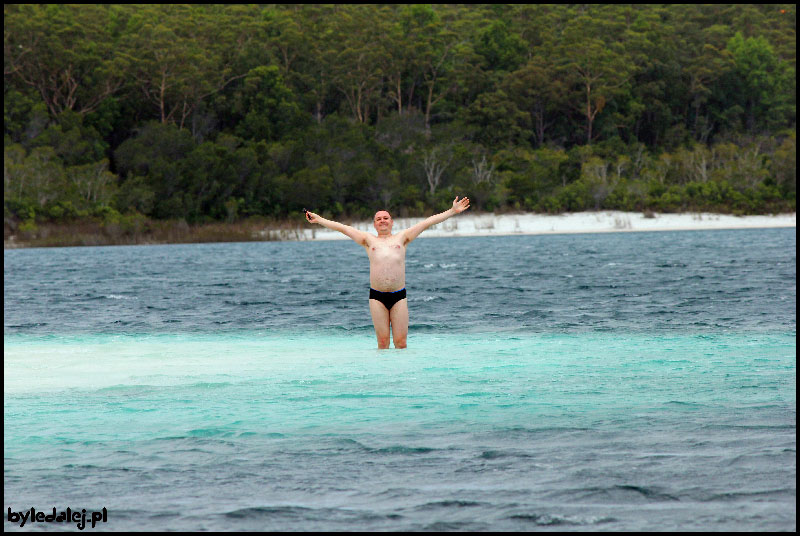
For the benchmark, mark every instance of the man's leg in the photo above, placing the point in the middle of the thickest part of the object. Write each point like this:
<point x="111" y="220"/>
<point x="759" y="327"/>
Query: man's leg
<point x="398" y="317"/>
<point x="380" y="319"/>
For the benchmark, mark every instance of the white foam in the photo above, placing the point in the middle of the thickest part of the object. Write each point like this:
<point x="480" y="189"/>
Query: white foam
<point x="104" y="361"/>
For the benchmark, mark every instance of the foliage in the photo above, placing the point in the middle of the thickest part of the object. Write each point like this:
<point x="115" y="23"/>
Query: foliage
<point x="118" y="113"/>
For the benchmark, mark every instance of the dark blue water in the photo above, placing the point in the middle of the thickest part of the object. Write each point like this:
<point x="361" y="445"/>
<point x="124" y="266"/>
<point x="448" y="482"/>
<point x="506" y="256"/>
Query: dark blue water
<point x="614" y="382"/>
<point x="666" y="282"/>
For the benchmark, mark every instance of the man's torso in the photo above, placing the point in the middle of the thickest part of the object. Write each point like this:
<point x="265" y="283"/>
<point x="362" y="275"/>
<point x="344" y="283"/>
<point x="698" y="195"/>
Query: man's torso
<point x="387" y="262"/>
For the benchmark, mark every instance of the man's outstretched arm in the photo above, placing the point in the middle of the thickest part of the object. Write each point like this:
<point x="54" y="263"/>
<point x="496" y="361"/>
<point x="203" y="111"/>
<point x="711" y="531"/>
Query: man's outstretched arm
<point x="359" y="236"/>
<point x="413" y="232"/>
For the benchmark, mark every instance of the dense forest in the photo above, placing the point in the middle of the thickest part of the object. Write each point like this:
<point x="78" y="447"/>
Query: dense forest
<point x="132" y="114"/>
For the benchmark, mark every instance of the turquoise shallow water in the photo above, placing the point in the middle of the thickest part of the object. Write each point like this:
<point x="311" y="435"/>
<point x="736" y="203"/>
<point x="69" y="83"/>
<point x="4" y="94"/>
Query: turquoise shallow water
<point x="631" y="421"/>
<point x="253" y="431"/>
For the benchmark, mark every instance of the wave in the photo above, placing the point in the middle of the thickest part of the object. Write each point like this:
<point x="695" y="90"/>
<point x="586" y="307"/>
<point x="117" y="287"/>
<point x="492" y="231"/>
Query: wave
<point x="305" y="513"/>
<point x="247" y="302"/>
<point x="452" y="526"/>
<point x="781" y="493"/>
<point x="388" y="450"/>
<point x="299" y="512"/>
<point x="450" y="504"/>
<point x="400" y="449"/>
<point x="499" y="454"/>
<point x="549" y="520"/>
<point x="27" y="325"/>
<point x="620" y="493"/>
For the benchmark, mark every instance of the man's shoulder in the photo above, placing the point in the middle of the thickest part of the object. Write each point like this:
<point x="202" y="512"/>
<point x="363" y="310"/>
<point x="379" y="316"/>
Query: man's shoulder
<point x="403" y="236"/>
<point x="369" y="239"/>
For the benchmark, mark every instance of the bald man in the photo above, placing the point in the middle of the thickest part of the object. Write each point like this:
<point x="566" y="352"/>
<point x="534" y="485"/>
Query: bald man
<point x="387" y="268"/>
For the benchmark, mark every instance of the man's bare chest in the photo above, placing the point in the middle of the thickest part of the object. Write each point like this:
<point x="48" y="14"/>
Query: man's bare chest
<point x="387" y="250"/>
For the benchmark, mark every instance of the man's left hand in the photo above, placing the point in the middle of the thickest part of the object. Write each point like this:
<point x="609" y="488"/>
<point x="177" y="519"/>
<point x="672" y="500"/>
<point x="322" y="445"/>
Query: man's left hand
<point x="460" y="206"/>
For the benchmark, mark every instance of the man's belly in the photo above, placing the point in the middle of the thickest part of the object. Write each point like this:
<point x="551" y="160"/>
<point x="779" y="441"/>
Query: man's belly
<point x="387" y="276"/>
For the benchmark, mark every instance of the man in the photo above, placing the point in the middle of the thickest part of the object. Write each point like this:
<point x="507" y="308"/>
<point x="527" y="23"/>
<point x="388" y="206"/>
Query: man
<point x="387" y="268"/>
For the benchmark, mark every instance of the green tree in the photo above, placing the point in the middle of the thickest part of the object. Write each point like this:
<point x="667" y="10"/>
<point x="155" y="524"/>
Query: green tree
<point x="67" y="53"/>
<point x="74" y="142"/>
<point x="185" y="54"/>
<point x="356" y="66"/>
<point x="501" y="48"/>
<point x="784" y="166"/>
<point x="135" y="195"/>
<point x="537" y="89"/>
<point x="267" y="107"/>
<point x="157" y="152"/>
<point x="447" y="62"/>
<point x="93" y="183"/>
<point x="302" y="42"/>
<point x="759" y="83"/>
<point x="37" y="177"/>
<point x="498" y="120"/>
<point x="598" y="69"/>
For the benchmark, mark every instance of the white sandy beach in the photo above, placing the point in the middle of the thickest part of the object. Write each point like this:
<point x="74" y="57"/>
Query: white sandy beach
<point x="583" y="222"/>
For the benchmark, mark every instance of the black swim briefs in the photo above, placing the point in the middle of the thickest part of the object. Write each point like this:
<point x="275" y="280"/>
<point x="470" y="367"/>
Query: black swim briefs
<point x="388" y="299"/>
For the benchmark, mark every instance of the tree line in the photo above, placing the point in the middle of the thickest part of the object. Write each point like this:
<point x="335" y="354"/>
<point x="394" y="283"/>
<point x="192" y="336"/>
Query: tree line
<point x="220" y="112"/>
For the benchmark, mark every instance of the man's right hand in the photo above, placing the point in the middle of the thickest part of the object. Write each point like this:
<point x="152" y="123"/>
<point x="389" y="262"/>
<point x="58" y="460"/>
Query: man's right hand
<point x="359" y="236"/>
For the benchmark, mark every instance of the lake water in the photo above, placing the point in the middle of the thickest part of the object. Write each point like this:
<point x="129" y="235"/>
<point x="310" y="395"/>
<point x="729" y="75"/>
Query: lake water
<point x="609" y="382"/>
